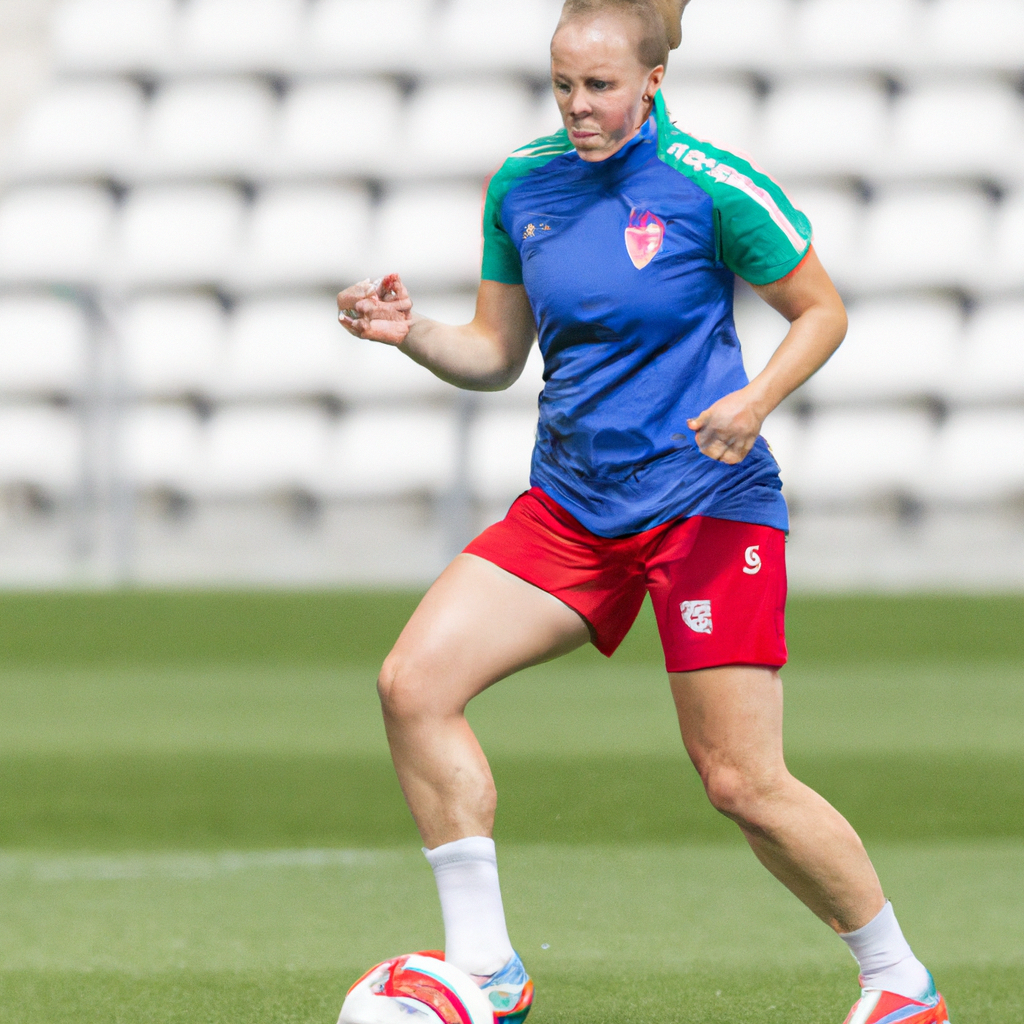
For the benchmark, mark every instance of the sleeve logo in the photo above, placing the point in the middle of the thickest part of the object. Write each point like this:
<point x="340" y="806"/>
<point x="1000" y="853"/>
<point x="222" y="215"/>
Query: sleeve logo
<point x="753" y="560"/>
<point x="697" y="615"/>
<point x="644" y="237"/>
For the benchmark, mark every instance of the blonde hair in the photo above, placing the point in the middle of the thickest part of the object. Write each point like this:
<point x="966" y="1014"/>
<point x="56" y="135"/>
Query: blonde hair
<point x="653" y="46"/>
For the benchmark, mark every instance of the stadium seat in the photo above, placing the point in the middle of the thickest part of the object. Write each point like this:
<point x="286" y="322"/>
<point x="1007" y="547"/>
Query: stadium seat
<point x="40" y="447"/>
<point x="895" y="349"/>
<point x="254" y="451"/>
<point x="991" y="367"/>
<point x="380" y="373"/>
<point x="455" y="129"/>
<point x="817" y="126"/>
<point x="318" y="137"/>
<point x="173" y="346"/>
<point x="173" y="235"/>
<point x="219" y="128"/>
<point x="284" y="347"/>
<point x="721" y="111"/>
<point x="431" y="235"/>
<point x="837" y="219"/>
<point x="760" y="330"/>
<point x="55" y="235"/>
<point x="864" y="455"/>
<point x="978" y="457"/>
<point x="974" y="33"/>
<point x="938" y="237"/>
<point x="334" y="24"/>
<point x="868" y="35"/>
<point x="79" y="130"/>
<point x="114" y="36"/>
<point x="481" y="35"/>
<point x="306" y="236"/>
<point x="44" y="345"/>
<point x="391" y="452"/>
<point x="731" y="34"/>
<point x="162" y="448"/>
<point x="1008" y="256"/>
<point x="972" y="127"/>
<point x="500" y="448"/>
<point x="261" y="36"/>
<point x="784" y="433"/>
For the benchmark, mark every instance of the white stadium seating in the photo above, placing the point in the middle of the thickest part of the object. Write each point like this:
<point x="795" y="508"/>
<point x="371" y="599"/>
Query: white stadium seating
<point x="115" y="35"/>
<point x="163" y="448"/>
<point x="253" y="451"/>
<point x="306" y="236"/>
<point x="872" y="35"/>
<point x="726" y="34"/>
<point x="500" y="449"/>
<point x="241" y="35"/>
<point x="722" y="111"/>
<point x="44" y="344"/>
<point x="172" y="346"/>
<point x="431" y="235"/>
<point x="991" y="366"/>
<point x="334" y="128"/>
<point x="928" y="236"/>
<point x="959" y="127"/>
<point x="179" y="235"/>
<point x="465" y="129"/>
<point x="59" y="234"/>
<point x="896" y="349"/>
<point x="336" y="25"/>
<point x="212" y="129"/>
<point x="284" y="348"/>
<point x="392" y="451"/>
<point x="851" y="456"/>
<point x="978" y="457"/>
<point x="209" y="173"/>
<point x="40" y="447"/>
<point x="815" y="127"/>
<point x="974" y="33"/>
<point x="80" y="129"/>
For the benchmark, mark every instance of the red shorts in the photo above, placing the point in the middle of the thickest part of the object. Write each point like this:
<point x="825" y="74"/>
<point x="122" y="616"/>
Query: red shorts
<point x="718" y="587"/>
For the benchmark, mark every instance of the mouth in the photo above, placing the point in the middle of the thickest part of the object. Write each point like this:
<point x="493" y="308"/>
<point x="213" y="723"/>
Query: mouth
<point x="582" y="134"/>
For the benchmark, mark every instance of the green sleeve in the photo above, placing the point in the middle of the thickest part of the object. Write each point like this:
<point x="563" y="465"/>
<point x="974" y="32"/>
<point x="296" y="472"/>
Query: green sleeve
<point x="501" y="258"/>
<point x="761" y="236"/>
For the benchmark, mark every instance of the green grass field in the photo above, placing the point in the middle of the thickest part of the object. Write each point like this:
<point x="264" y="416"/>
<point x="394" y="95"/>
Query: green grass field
<point x="199" y="823"/>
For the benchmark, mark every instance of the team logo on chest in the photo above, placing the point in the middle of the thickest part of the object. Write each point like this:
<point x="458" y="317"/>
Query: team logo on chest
<point x="644" y="237"/>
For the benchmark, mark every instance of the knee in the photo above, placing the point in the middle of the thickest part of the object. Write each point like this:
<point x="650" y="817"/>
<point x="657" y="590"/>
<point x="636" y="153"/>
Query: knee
<point x="745" y="795"/>
<point x="402" y="689"/>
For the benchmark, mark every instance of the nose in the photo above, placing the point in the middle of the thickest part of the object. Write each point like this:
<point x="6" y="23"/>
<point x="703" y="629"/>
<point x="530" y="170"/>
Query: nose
<point x="578" y="106"/>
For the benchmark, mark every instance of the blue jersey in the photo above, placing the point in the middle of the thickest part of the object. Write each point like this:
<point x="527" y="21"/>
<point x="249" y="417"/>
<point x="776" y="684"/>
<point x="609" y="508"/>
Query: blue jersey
<point x="629" y="265"/>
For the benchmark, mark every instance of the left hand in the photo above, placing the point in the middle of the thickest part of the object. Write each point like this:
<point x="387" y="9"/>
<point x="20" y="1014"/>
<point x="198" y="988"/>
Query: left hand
<point x="727" y="431"/>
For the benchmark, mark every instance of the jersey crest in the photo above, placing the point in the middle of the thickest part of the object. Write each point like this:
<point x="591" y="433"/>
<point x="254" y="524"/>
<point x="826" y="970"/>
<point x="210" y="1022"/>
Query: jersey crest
<point x="644" y="237"/>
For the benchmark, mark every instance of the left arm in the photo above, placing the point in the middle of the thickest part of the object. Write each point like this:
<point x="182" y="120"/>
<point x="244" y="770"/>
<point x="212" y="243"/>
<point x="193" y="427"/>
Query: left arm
<point x="809" y="301"/>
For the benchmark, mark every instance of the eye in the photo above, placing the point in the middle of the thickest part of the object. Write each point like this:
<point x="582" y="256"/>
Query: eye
<point x="563" y="87"/>
<point x="599" y="85"/>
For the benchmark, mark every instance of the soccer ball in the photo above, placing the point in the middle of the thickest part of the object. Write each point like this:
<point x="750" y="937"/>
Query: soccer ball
<point x="418" y="988"/>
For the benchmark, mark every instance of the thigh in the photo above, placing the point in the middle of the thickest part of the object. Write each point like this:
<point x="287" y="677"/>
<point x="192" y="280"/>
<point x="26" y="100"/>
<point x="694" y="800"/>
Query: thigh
<point x="719" y="594"/>
<point x="731" y="717"/>
<point x="476" y="625"/>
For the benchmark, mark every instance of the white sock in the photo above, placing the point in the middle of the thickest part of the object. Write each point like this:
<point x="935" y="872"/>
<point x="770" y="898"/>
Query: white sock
<point x="885" y="957"/>
<point x="475" y="937"/>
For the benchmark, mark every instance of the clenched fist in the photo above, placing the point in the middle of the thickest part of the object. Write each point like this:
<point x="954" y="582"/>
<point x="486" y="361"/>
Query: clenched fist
<point x="376" y="310"/>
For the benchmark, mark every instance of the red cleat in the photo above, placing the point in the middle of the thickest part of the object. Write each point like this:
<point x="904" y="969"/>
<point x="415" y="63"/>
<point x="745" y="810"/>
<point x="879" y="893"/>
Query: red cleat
<point x="878" y="1007"/>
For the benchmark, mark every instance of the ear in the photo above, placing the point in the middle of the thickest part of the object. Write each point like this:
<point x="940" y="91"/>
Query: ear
<point x="654" y="80"/>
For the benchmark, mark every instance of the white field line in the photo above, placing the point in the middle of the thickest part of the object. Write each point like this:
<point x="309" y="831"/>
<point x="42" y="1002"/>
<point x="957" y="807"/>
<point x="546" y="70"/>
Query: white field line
<point x="129" y="867"/>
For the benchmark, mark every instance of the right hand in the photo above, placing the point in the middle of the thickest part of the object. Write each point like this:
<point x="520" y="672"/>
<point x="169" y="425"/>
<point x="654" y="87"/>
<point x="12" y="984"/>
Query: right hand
<point x="376" y="310"/>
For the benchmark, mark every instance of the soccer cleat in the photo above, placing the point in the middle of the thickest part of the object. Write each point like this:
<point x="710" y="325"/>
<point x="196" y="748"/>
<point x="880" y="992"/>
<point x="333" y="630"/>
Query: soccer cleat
<point x="878" y="1007"/>
<point x="510" y="992"/>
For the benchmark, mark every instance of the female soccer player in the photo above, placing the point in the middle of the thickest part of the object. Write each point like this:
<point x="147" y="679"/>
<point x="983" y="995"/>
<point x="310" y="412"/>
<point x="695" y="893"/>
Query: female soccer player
<point x="617" y="241"/>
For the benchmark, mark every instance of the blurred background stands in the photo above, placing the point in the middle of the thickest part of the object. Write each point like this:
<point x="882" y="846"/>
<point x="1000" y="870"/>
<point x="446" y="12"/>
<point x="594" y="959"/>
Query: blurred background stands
<point x="185" y="184"/>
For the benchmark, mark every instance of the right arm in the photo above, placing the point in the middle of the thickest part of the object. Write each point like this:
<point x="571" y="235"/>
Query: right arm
<point x="487" y="354"/>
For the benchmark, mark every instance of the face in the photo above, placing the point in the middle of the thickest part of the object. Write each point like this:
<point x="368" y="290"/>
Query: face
<point x="600" y="83"/>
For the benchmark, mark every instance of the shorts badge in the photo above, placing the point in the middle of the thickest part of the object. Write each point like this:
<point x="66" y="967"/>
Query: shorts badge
<point x="753" y="560"/>
<point x="697" y="615"/>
